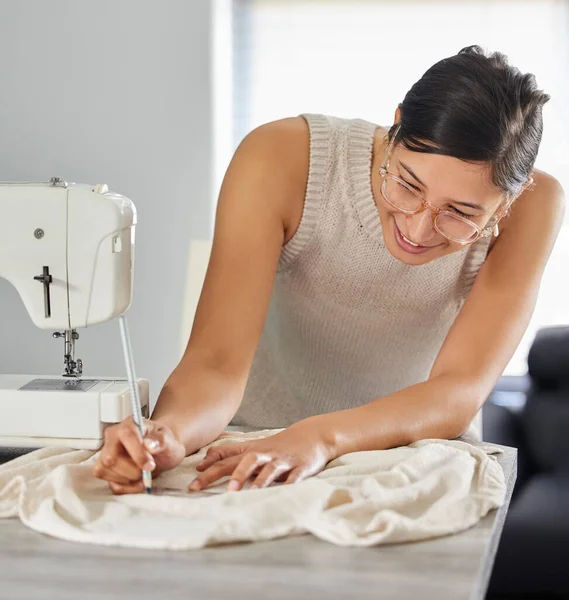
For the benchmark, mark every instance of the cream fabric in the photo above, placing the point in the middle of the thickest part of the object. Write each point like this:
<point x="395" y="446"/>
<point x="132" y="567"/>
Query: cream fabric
<point x="428" y="489"/>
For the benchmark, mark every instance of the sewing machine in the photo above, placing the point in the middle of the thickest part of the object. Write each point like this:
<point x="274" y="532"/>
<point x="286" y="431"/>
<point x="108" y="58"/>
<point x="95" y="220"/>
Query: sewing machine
<point x="68" y="249"/>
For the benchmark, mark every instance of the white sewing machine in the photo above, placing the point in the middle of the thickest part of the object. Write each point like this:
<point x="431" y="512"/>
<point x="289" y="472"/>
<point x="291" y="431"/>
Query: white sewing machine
<point x="68" y="249"/>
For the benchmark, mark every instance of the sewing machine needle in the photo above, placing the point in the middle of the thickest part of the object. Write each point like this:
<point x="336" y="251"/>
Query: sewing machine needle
<point x="134" y="397"/>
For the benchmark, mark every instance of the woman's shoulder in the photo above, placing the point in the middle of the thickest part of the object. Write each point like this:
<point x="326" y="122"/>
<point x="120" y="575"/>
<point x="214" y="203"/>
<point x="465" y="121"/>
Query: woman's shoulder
<point x="282" y="146"/>
<point x="550" y="184"/>
<point x="280" y="151"/>
<point x="537" y="213"/>
<point x="294" y="132"/>
<point x="283" y="135"/>
<point x="546" y="193"/>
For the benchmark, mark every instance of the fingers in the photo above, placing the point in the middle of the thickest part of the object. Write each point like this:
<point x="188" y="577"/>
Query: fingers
<point x="248" y="465"/>
<point x="123" y="455"/>
<point x="269" y="474"/>
<point x="110" y="476"/>
<point x="125" y="437"/>
<point x="119" y="470"/>
<point x="215" y="472"/>
<point x="131" y="488"/>
<point x="241" y="468"/>
<point x="155" y="437"/>
<point x="112" y="447"/>
<point x="218" y="453"/>
<point x="131" y="440"/>
<point x="153" y="445"/>
<point x="212" y="455"/>
<point x="295" y="475"/>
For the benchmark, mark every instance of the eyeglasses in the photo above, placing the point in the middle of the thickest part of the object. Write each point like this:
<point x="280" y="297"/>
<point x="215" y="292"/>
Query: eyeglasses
<point x="399" y="195"/>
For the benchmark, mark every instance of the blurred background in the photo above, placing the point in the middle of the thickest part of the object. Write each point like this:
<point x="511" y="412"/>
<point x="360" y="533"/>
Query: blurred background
<point x="152" y="98"/>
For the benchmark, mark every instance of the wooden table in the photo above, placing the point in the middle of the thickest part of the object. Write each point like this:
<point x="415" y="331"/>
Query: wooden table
<point x="34" y="566"/>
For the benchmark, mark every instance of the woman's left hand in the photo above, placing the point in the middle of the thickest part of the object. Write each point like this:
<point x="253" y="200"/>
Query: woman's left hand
<point x="291" y="455"/>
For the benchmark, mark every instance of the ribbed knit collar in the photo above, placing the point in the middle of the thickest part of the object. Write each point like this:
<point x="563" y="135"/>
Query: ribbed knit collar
<point x="359" y="159"/>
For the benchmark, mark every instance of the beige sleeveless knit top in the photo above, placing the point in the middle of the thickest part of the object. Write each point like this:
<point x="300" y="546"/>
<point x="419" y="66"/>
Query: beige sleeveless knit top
<point x="348" y="323"/>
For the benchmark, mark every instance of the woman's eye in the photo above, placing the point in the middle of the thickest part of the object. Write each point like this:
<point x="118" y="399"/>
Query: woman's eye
<point x="406" y="187"/>
<point x="462" y="214"/>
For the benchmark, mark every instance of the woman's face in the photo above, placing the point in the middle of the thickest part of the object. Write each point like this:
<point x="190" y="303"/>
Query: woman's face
<point x="445" y="182"/>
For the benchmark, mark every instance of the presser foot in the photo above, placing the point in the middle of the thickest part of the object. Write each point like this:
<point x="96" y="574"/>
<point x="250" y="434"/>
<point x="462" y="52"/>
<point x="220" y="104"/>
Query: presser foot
<point x="72" y="367"/>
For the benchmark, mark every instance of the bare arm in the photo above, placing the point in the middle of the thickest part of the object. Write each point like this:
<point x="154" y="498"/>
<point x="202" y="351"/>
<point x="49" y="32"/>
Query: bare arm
<point x="478" y="346"/>
<point x="265" y="180"/>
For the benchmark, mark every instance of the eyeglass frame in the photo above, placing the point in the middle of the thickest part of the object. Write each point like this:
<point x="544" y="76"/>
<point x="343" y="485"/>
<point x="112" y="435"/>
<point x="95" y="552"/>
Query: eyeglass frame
<point x="485" y="231"/>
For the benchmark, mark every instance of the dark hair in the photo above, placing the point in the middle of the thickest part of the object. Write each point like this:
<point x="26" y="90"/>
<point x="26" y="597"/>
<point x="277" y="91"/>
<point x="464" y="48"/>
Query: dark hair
<point x="476" y="108"/>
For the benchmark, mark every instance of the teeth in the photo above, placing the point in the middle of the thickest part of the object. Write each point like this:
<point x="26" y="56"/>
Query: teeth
<point x="409" y="241"/>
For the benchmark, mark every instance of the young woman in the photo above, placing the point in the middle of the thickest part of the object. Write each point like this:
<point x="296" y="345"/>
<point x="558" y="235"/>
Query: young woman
<point x="367" y="285"/>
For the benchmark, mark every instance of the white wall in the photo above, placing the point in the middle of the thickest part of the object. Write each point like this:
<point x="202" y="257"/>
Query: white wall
<point x="116" y="92"/>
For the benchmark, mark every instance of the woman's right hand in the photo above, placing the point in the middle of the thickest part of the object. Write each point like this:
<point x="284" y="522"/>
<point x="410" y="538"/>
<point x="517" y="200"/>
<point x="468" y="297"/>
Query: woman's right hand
<point x="124" y="454"/>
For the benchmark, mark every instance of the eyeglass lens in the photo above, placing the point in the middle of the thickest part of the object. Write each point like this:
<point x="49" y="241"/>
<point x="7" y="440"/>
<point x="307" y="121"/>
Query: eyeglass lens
<point x="404" y="199"/>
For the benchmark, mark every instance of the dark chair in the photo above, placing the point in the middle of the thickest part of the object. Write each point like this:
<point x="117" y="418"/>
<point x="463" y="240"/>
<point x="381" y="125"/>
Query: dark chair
<point x="531" y="413"/>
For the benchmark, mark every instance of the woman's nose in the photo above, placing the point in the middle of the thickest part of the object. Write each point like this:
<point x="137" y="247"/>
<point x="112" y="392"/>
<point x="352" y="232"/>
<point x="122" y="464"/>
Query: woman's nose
<point x="420" y="227"/>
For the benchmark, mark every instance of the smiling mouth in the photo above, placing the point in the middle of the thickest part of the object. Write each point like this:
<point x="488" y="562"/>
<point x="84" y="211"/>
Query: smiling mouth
<point x="414" y="244"/>
<point x="410" y="242"/>
<point x="411" y="246"/>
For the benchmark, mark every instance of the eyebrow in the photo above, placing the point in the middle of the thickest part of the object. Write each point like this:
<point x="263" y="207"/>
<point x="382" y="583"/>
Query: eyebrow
<point x="469" y="204"/>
